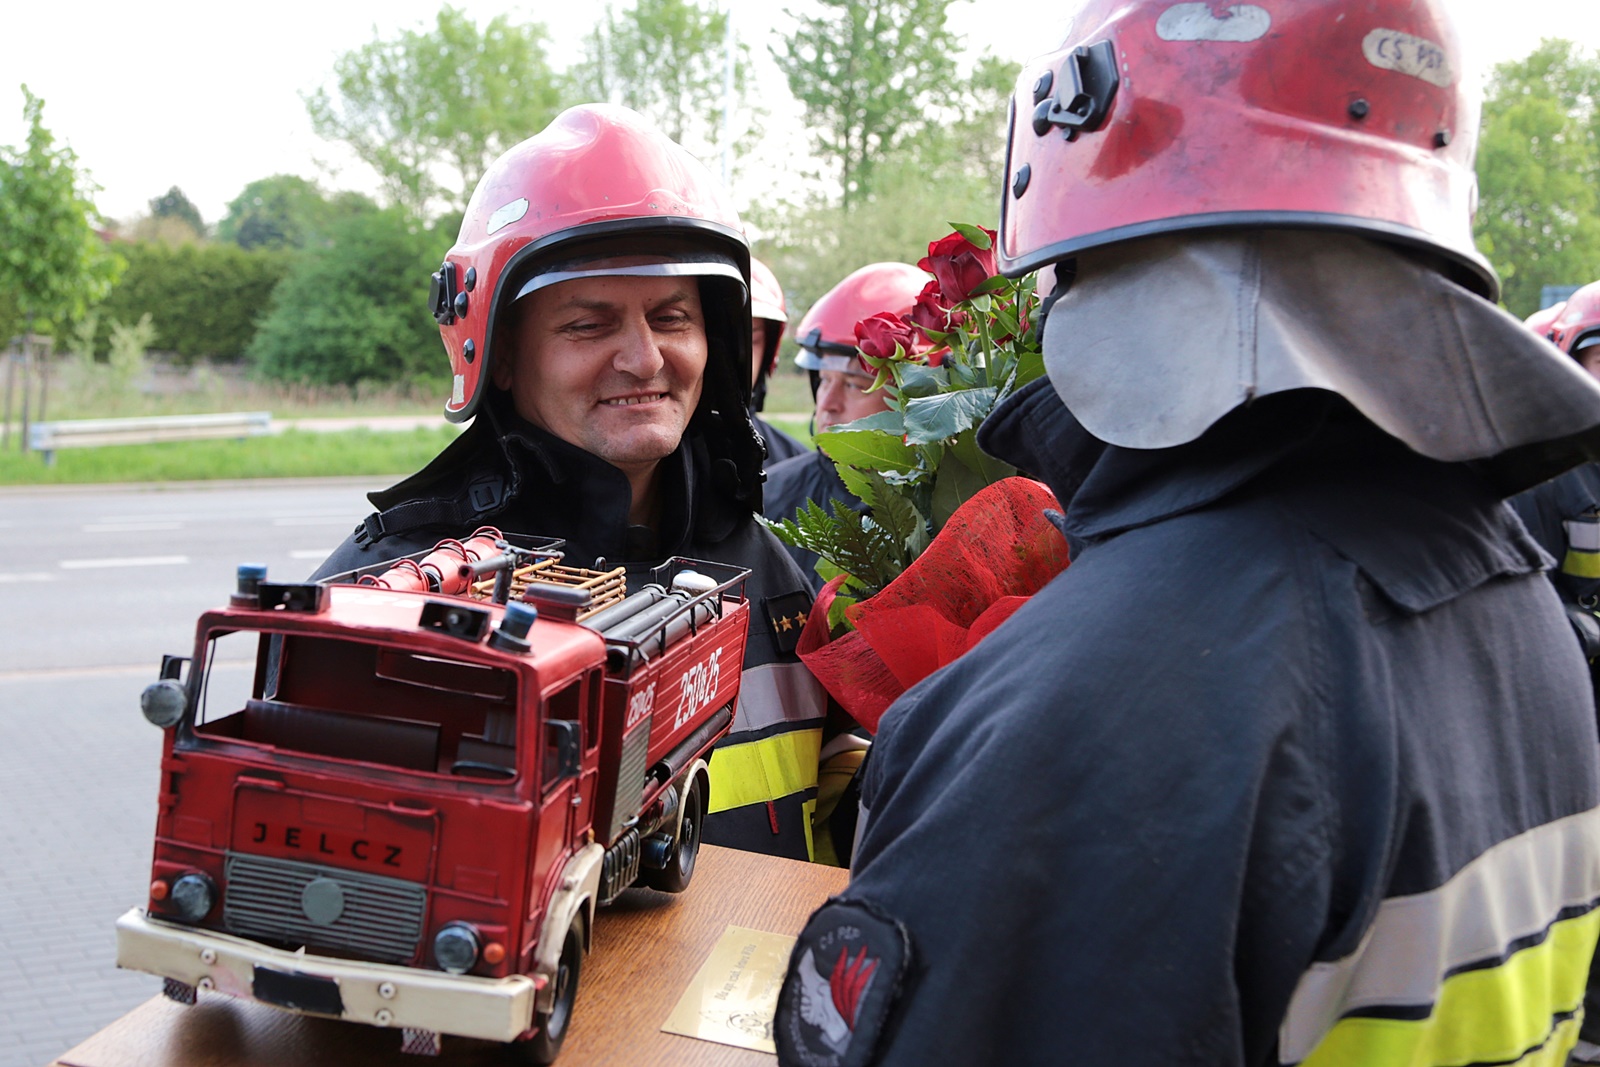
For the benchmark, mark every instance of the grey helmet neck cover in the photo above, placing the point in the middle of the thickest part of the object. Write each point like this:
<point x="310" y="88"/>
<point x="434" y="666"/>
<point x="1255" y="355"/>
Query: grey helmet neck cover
<point x="1156" y="340"/>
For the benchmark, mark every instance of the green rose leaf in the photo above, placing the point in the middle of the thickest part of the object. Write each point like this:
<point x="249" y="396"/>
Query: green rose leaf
<point x="869" y="449"/>
<point x="936" y="418"/>
<point x="890" y="421"/>
<point x="974" y="234"/>
<point x="918" y="380"/>
<point x="957" y="483"/>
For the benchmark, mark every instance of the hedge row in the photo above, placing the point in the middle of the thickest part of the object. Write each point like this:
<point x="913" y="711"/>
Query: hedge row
<point x="204" y="299"/>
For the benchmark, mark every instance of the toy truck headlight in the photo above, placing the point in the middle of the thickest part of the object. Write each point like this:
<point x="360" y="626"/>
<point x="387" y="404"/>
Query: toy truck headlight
<point x="164" y="702"/>
<point x="192" y="897"/>
<point x="455" y="948"/>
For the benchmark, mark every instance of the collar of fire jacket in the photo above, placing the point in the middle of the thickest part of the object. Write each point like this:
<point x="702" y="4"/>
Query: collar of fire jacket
<point x="1106" y="489"/>
<point x="1157" y="340"/>
<point x="554" y="488"/>
<point x="1319" y="458"/>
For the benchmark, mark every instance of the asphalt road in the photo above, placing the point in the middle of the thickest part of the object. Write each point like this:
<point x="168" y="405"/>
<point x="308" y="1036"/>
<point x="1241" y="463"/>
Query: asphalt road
<point x="96" y="583"/>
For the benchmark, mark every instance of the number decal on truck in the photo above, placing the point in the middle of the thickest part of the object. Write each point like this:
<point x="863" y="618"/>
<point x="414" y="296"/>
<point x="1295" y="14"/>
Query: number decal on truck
<point x="697" y="687"/>
<point x="639" y="705"/>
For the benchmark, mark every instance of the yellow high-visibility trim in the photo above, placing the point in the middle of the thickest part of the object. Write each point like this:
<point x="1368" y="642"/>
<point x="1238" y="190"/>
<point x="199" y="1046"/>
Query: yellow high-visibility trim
<point x="1490" y="1015"/>
<point x="769" y="769"/>
<point x="1581" y="564"/>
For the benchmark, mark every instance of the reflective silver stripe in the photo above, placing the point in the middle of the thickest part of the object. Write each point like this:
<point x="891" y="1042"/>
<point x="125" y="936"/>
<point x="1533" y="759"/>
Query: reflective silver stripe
<point x="774" y="694"/>
<point x="1583" y="535"/>
<point x="1515" y="889"/>
<point x="705" y="266"/>
<point x="862" y="817"/>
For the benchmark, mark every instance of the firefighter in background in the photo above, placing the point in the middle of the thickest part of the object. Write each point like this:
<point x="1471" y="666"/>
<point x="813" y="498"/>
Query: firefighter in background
<point x="839" y="384"/>
<point x="1296" y="763"/>
<point x="1563" y="514"/>
<point x="769" y="317"/>
<point x="595" y="314"/>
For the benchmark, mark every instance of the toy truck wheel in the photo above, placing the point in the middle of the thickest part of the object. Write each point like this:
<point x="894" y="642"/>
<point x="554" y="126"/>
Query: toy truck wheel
<point x="674" y="877"/>
<point x="543" y="1047"/>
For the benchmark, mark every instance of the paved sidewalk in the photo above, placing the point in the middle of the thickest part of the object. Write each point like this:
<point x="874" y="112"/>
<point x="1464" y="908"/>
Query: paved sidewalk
<point x="78" y="784"/>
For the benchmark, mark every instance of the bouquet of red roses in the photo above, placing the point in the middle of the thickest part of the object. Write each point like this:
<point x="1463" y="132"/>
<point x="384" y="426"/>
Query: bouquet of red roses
<point x="951" y="541"/>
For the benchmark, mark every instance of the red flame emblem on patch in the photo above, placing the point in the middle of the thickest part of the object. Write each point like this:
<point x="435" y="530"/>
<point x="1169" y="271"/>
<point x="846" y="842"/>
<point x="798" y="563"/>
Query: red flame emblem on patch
<point x="848" y="981"/>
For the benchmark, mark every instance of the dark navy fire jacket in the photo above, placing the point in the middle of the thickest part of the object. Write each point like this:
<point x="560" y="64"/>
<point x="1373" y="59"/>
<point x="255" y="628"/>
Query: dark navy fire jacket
<point x="1296" y="762"/>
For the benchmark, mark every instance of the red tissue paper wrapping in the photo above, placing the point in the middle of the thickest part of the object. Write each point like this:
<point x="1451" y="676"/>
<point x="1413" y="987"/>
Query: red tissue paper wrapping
<point x="997" y="550"/>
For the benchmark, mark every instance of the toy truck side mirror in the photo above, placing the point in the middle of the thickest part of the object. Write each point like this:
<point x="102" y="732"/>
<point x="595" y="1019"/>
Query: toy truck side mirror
<point x="563" y="749"/>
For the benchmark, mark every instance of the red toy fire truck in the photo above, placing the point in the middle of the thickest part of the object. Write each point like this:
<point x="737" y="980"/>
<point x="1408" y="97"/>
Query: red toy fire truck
<point x="397" y="796"/>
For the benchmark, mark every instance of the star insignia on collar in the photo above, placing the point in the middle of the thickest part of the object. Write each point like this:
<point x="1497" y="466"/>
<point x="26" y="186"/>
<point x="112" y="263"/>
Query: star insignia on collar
<point x="787" y="614"/>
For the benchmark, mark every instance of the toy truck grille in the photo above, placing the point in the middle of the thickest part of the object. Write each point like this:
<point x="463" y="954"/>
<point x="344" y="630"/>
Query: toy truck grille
<point x="295" y="903"/>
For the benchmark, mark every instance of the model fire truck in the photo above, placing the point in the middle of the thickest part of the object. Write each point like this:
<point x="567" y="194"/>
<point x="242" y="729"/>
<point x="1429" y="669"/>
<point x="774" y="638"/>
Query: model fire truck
<point x="397" y="796"/>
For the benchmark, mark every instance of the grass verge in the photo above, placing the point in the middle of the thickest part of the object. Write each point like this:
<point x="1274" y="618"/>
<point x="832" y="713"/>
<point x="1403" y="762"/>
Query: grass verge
<point x="291" y="454"/>
<point x="797" y="428"/>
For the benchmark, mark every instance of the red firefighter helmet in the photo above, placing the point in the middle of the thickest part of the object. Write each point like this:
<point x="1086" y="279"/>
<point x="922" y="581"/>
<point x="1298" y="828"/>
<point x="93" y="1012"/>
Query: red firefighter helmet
<point x="766" y="302"/>
<point x="827" y="335"/>
<point x="1578" y="326"/>
<point x="1542" y="321"/>
<point x="599" y="182"/>
<point x="1157" y="116"/>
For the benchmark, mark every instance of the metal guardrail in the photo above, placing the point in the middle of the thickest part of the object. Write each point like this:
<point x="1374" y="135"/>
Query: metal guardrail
<point x="47" y="437"/>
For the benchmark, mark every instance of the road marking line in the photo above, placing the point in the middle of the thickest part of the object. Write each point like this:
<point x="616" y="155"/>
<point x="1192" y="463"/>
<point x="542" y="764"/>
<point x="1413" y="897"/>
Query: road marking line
<point x="35" y="576"/>
<point x="50" y="673"/>
<point x="131" y="527"/>
<point x="311" y="553"/>
<point x="126" y="561"/>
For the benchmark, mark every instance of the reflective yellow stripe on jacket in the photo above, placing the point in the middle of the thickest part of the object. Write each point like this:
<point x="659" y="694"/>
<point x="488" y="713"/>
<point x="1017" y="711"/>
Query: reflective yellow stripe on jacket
<point x="1583" y="547"/>
<point x="771" y="756"/>
<point x="1490" y="967"/>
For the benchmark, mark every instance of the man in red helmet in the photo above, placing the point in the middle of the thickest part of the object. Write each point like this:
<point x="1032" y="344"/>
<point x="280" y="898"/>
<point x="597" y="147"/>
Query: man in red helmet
<point x="1563" y="514"/>
<point x="840" y="384"/>
<point x="769" y="317"/>
<point x="595" y="313"/>
<point x="1297" y="762"/>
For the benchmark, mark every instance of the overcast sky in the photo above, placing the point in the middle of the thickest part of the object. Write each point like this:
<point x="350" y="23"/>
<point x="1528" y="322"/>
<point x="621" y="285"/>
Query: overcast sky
<point x="207" y="95"/>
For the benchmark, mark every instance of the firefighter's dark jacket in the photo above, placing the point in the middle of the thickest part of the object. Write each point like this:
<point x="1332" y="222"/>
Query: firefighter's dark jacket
<point x="1563" y="515"/>
<point x="1295" y="763"/>
<point x="506" y="472"/>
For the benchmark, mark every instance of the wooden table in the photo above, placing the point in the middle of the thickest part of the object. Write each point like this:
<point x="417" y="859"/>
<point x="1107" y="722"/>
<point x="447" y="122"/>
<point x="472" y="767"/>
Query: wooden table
<point x="647" y="948"/>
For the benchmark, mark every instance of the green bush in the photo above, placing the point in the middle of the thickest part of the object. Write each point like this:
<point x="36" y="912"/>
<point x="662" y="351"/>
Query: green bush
<point x="355" y="309"/>
<point x="204" y="299"/>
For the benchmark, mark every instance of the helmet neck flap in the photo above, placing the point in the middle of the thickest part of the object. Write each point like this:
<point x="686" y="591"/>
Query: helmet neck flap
<point x="1228" y="318"/>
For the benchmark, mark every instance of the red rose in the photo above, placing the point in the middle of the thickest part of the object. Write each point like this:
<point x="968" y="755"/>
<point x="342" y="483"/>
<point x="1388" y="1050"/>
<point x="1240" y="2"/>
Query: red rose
<point x="933" y="316"/>
<point x="877" y="335"/>
<point x="959" y="265"/>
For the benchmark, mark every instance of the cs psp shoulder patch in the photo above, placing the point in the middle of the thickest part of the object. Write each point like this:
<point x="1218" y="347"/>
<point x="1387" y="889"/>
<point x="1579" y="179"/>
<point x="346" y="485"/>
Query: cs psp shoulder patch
<point x="844" y="975"/>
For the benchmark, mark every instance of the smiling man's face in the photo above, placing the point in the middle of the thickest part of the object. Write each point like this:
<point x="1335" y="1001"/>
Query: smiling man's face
<point x="612" y="364"/>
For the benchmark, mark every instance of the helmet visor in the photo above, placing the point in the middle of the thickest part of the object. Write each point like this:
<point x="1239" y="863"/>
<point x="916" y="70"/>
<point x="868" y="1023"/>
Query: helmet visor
<point x="632" y="258"/>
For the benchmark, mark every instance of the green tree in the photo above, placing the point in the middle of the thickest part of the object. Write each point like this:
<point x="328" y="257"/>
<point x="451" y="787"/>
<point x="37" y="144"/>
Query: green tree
<point x="870" y="74"/>
<point x="951" y="172"/>
<point x="1539" y="172"/>
<point x="53" y="264"/>
<point x="430" y="110"/>
<point x="173" y="204"/>
<point x="665" y="59"/>
<point x="284" y="211"/>
<point x="355" y="308"/>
